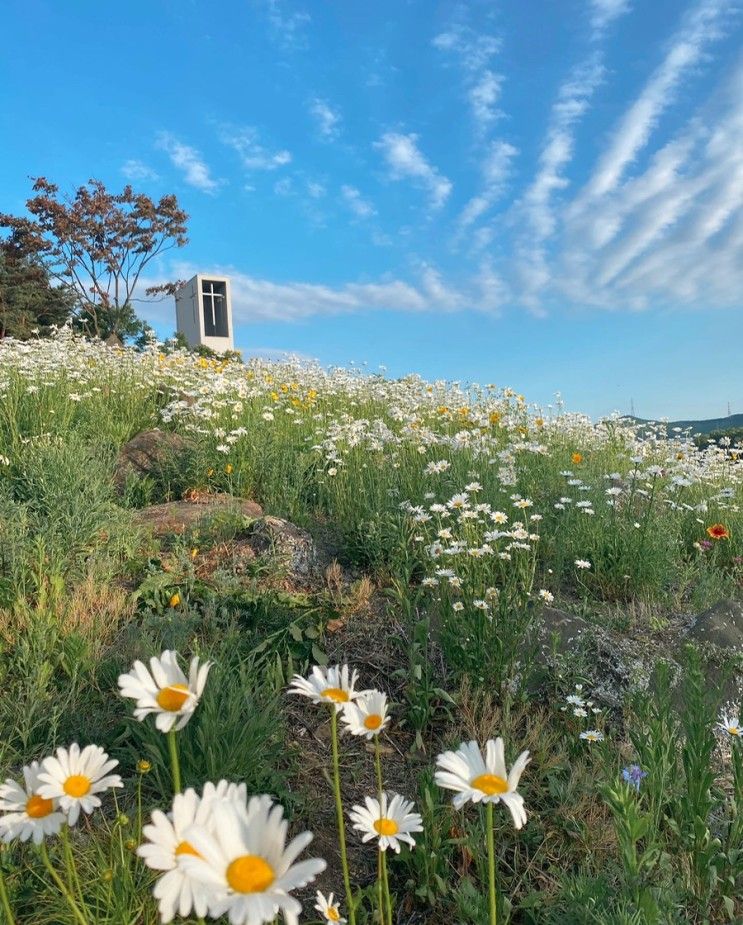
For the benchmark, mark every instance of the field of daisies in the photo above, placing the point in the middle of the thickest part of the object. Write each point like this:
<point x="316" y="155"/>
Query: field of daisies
<point x="475" y="700"/>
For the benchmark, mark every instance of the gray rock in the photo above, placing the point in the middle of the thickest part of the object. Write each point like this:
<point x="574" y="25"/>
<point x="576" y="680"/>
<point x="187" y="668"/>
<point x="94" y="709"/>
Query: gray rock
<point x="145" y="454"/>
<point x="176" y="517"/>
<point x="613" y="663"/>
<point x="721" y="625"/>
<point x="560" y="632"/>
<point x="288" y="542"/>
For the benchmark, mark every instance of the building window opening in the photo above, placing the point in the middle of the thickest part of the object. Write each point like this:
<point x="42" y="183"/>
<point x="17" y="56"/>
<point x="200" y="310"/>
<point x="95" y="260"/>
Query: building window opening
<point x="214" y="302"/>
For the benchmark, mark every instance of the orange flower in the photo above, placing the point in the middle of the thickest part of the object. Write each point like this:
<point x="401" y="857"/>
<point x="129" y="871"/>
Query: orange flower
<point x="576" y="459"/>
<point x="718" y="532"/>
<point x="175" y="599"/>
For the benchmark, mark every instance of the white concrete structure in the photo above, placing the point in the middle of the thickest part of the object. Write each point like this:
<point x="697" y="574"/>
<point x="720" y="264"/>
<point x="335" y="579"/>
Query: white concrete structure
<point x="203" y="309"/>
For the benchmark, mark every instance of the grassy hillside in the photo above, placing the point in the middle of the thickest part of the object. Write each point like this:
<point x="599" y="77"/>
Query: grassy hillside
<point x="707" y="426"/>
<point x="433" y="531"/>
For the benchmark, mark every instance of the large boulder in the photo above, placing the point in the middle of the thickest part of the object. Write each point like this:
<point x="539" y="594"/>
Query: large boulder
<point x="175" y="517"/>
<point x="612" y="662"/>
<point x="721" y="625"/>
<point x="289" y="543"/>
<point x="146" y="454"/>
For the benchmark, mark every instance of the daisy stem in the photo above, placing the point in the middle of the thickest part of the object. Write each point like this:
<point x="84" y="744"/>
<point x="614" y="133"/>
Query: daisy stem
<point x="139" y="808"/>
<point x="491" y="864"/>
<point x="5" y="901"/>
<point x="380" y="889"/>
<point x="73" y="878"/>
<point x="386" y="884"/>
<point x="60" y="885"/>
<point x="339" y="815"/>
<point x="382" y="859"/>
<point x="174" y="763"/>
<point x="378" y="767"/>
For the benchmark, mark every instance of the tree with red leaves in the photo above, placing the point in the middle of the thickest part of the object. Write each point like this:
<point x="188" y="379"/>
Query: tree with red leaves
<point x="97" y="245"/>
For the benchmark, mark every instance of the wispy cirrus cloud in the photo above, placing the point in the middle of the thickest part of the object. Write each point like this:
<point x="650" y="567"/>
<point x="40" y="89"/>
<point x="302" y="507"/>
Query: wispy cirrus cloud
<point x="327" y="118"/>
<point x="496" y="170"/>
<point x="674" y="232"/>
<point x="474" y="52"/>
<point x="702" y="26"/>
<point x="288" y="24"/>
<point x="405" y="160"/>
<point x="253" y="154"/>
<point x="190" y="162"/>
<point x="354" y="201"/>
<point x="138" y="171"/>
<point x="603" y="12"/>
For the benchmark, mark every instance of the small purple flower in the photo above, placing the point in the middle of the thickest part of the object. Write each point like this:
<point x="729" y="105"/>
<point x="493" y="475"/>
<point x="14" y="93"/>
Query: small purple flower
<point x="633" y="775"/>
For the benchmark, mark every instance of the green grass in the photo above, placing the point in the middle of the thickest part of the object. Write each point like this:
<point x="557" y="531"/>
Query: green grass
<point x="406" y="481"/>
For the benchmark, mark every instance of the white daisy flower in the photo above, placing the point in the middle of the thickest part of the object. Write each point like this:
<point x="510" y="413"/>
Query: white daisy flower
<point x="592" y="735"/>
<point x="166" y="844"/>
<point x="731" y="725"/>
<point x="328" y="908"/>
<point x="74" y="777"/>
<point x="486" y="780"/>
<point x="582" y="563"/>
<point x="242" y="856"/>
<point x="367" y="715"/>
<point x="165" y="690"/>
<point x="26" y="814"/>
<point x="391" y="821"/>
<point x="334" y="685"/>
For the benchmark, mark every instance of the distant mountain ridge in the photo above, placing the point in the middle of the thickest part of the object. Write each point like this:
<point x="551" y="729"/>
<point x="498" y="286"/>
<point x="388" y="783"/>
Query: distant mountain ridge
<point x="696" y="427"/>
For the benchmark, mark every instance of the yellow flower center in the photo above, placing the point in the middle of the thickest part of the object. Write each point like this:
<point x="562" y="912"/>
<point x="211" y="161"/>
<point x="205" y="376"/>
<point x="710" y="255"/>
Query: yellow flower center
<point x="173" y="697"/>
<point x="335" y="694"/>
<point x="185" y="847"/>
<point x="490" y="784"/>
<point x="386" y="826"/>
<point x="37" y="807"/>
<point x="333" y="914"/>
<point x="77" y="785"/>
<point x="373" y="721"/>
<point x="250" y="874"/>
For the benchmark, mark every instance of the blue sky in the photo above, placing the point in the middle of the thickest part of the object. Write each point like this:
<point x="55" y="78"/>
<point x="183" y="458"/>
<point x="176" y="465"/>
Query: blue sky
<point x="545" y="194"/>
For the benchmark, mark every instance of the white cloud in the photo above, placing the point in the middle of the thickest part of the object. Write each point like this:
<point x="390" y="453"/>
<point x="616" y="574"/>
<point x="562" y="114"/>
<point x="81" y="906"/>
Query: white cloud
<point x="474" y="52"/>
<point x="484" y="95"/>
<point x="672" y="234"/>
<point x="496" y="169"/>
<point x="288" y="26"/>
<point x="283" y="187"/>
<point x="190" y="162"/>
<point x="603" y="12"/>
<point x="326" y="117"/>
<point x="316" y="190"/>
<point x="254" y="156"/>
<point x="701" y="27"/>
<point x="536" y="206"/>
<point x="360" y="207"/>
<point x="405" y="160"/>
<point x="256" y="299"/>
<point x="137" y="170"/>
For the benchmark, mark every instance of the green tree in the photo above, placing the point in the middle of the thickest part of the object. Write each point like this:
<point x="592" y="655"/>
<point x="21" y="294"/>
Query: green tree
<point x="29" y="301"/>
<point x="98" y="244"/>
